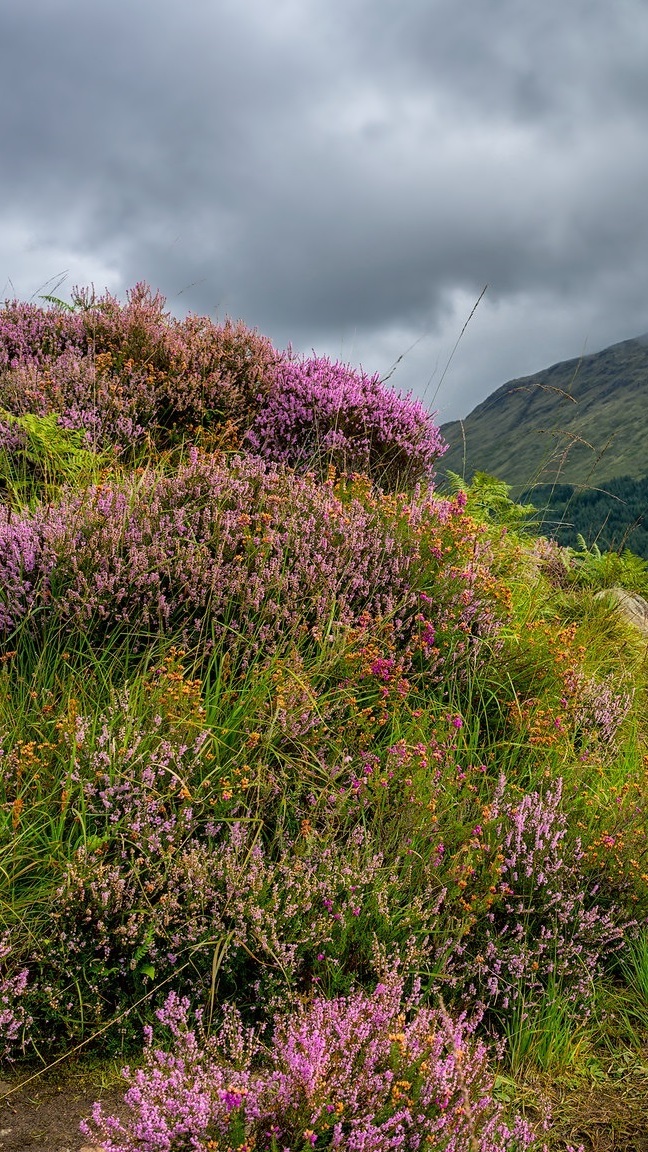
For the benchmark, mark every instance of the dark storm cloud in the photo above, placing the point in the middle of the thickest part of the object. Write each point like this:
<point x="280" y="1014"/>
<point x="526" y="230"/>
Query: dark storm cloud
<point x="343" y="174"/>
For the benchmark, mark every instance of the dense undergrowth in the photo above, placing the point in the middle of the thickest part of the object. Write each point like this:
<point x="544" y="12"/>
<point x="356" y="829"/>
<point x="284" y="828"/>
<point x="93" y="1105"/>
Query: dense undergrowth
<point x="353" y="770"/>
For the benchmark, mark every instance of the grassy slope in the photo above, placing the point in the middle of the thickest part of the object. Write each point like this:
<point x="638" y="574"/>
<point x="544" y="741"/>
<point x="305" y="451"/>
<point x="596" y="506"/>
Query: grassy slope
<point x="289" y="741"/>
<point x="89" y="682"/>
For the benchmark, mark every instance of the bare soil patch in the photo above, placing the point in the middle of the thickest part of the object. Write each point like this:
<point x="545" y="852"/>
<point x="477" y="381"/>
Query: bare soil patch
<point x="44" y="1116"/>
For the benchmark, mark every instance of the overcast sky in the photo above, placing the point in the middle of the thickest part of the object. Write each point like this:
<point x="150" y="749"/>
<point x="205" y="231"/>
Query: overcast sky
<point x="345" y="175"/>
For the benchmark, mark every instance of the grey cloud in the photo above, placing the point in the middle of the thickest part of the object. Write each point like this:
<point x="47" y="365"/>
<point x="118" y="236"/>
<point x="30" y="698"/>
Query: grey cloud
<point x="349" y="166"/>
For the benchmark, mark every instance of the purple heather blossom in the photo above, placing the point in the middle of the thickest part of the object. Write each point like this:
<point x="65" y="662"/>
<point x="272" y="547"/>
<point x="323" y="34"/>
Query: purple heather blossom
<point x="30" y="334"/>
<point x="24" y="567"/>
<point x="366" y="1073"/>
<point x="599" y="710"/>
<point x="14" y="1020"/>
<point x="545" y="928"/>
<point x="245" y="549"/>
<point x="13" y="438"/>
<point x="122" y="373"/>
<point x="318" y="409"/>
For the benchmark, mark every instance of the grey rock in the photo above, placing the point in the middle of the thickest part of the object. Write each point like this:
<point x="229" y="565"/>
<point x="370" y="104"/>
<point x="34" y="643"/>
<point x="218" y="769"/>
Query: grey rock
<point x="632" y="607"/>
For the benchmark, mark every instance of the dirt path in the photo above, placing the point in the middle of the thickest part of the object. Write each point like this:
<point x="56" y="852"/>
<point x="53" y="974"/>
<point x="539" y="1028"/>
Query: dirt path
<point x="44" y="1116"/>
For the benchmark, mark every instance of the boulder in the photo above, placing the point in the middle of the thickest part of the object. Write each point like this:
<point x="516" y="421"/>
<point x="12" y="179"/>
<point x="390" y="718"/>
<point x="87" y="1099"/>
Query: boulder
<point x="632" y="607"/>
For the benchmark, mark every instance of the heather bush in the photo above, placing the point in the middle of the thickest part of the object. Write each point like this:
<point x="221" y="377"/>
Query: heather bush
<point x="81" y="392"/>
<point x="13" y="437"/>
<point x="460" y="607"/>
<point x="290" y="861"/>
<point x="22" y="567"/>
<point x="246" y="554"/>
<point x="371" y="1072"/>
<point x="135" y="918"/>
<point x="173" y="863"/>
<point x="598" y="711"/>
<point x="115" y="410"/>
<point x="261" y="554"/>
<point x="197" y="371"/>
<point x="544" y="928"/>
<point x="14" y="1019"/>
<point x="33" y="335"/>
<point x="136" y="331"/>
<point x="129" y="375"/>
<point x="218" y="373"/>
<point x="322" y="413"/>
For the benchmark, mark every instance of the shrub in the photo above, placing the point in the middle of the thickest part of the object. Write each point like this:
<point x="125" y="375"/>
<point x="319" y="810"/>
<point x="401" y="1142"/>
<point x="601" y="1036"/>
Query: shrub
<point x="544" y="928"/>
<point x="33" y="335"/>
<point x="124" y="373"/>
<point x="263" y="554"/>
<point x="173" y="862"/>
<point x="23" y="567"/>
<point x="197" y="371"/>
<point x="320" y="412"/>
<point x="14" y="1019"/>
<point x="120" y="373"/>
<point x="368" y="1073"/>
<point x="245" y="554"/>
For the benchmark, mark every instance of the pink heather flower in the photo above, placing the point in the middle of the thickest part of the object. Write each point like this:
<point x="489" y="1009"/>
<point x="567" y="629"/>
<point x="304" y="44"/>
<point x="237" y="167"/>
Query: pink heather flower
<point x="120" y="373"/>
<point x="318" y="409"/>
<point x="544" y="927"/>
<point x="366" y="1073"/>
<point x="14" y="1020"/>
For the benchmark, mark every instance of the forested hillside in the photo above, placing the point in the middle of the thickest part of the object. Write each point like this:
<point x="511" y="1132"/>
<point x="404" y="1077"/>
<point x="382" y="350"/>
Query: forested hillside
<point x="614" y="517"/>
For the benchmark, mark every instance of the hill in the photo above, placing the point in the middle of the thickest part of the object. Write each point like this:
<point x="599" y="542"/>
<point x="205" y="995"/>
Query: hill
<point x="580" y="422"/>
<point x="323" y="796"/>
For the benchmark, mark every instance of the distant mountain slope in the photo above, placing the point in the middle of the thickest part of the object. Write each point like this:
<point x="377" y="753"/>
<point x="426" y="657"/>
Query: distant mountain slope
<point x="582" y="421"/>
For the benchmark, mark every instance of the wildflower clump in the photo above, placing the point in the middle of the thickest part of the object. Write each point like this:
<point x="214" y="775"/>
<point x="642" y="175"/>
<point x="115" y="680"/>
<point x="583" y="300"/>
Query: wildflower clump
<point x="544" y="929"/>
<point x="244" y="552"/>
<point x="318" y="412"/>
<point x="15" y="1021"/>
<point x="366" y="1073"/>
<point x="130" y="376"/>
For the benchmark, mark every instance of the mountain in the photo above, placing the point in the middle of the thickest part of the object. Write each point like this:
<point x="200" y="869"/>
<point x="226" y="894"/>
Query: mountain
<point x="580" y="422"/>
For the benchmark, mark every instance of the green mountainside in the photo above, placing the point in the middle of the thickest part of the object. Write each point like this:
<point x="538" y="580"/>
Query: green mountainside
<point x="580" y="422"/>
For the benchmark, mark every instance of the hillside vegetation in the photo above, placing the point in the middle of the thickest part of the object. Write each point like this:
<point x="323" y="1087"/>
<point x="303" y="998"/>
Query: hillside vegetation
<point x="582" y="422"/>
<point x="614" y="517"/>
<point x="331" y="787"/>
